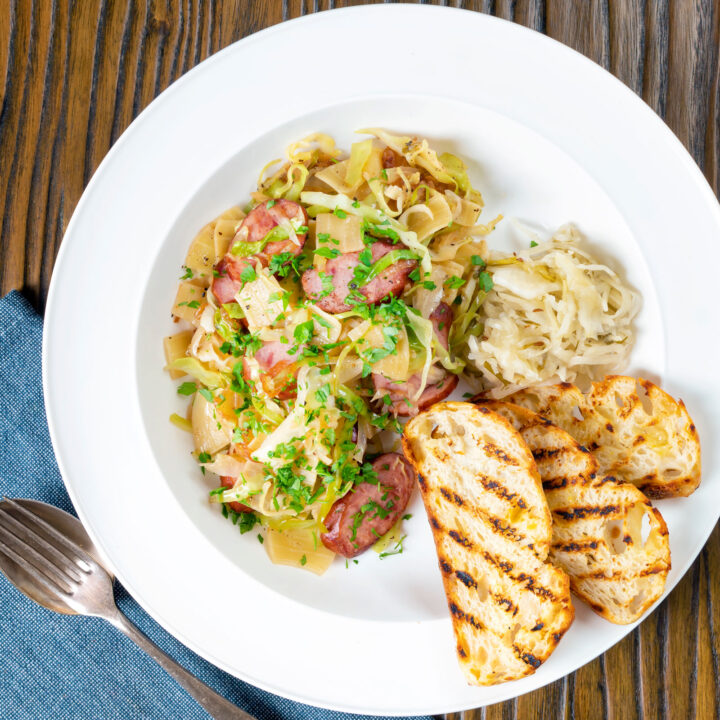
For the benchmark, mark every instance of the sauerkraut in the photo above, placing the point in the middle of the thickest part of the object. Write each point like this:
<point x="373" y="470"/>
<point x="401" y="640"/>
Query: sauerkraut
<point x="553" y="313"/>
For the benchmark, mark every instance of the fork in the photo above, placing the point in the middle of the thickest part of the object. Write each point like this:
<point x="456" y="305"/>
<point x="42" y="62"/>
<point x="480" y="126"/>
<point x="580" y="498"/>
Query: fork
<point x="47" y="554"/>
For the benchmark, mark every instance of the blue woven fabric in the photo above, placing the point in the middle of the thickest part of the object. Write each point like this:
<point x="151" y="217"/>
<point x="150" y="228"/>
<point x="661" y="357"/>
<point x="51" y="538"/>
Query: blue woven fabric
<point x="59" y="667"/>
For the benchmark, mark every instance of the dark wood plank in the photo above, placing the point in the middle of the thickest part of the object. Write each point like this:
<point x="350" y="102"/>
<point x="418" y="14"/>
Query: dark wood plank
<point x="73" y="75"/>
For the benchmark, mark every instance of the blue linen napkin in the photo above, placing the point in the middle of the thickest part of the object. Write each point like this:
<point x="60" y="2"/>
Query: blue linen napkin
<point x="55" y="666"/>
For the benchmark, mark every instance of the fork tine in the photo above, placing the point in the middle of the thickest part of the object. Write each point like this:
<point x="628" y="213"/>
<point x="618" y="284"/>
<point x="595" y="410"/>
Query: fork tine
<point x="33" y="563"/>
<point x="64" y="542"/>
<point x="33" y="539"/>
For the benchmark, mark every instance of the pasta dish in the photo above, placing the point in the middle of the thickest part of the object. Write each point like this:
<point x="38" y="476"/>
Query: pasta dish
<point x="346" y="296"/>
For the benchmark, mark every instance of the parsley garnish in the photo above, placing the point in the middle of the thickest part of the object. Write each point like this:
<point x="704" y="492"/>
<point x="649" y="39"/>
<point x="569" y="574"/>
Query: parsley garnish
<point x="477" y="260"/>
<point x="485" y="281"/>
<point x="278" y="264"/>
<point x="303" y="560"/>
<point x="206" y="394"/>
<point x="247" y="522"/>
<point x="187" y="388"/>
<point x="340" y="213"/>
<point x="187" y="274"/>
<point x="533" y="244"/>
<point x="454" y="282"/>
<point x="204" y="457"/>
<point x="248" y="274"/>
<point x="304" y="332"/>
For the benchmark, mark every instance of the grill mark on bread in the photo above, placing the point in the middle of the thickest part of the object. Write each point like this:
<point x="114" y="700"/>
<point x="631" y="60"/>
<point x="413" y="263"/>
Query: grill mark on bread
<point x="545" y="453"/>
<point x="493" y="450"/>
<point x="452" y="496"/>
<point x="527" y="581"/>
<point x="582" y="512"/>
<point x="460" y="539"/>
<point x="618" y="574"/>
<point x="494" y="522"/>
<point x="501" y="491"/>
<point x="460" y="614"/>
<point x="571" y="547"/>
<point x="508" y="604"/>
<point x="527" y="657"/>
<point x="466" y="579"/>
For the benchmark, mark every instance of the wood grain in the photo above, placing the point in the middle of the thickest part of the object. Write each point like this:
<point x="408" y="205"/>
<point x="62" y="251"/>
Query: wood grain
<point x="74" y="74"/>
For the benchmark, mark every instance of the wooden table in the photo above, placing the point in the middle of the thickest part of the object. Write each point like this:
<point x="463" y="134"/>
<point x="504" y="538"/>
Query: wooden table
<point x="75" y="74"/>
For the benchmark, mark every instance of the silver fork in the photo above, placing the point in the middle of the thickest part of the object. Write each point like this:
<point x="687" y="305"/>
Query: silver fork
<point x="47" y="554"/>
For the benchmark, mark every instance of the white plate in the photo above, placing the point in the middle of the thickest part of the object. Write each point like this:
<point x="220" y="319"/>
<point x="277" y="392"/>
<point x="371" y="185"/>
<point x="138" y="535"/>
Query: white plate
<point x="553" y="138"/>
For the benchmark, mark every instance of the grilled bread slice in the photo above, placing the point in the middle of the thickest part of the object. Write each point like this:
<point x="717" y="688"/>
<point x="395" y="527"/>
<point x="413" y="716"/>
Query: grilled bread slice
<point x="598" y="537"/>
<point x="637" y="432"/>
<point x="491" y="526"/>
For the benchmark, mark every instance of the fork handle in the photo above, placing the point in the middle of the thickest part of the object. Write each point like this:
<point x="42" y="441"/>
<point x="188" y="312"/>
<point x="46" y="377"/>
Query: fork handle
<point x="216" y="705"/>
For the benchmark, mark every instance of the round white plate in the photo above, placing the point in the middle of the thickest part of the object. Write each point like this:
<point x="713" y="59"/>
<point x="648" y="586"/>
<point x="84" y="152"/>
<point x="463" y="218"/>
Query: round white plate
<point x="551" y="137"/>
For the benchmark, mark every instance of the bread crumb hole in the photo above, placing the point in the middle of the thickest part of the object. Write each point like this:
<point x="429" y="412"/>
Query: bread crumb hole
<point x="645" y="528"/>
<point x="577" y="413"/>
<point x="437" y="432"/>
<point x="672" y="473"/>
<point x="619" y="400"/>
<point x="644" y="399"/>
<point x="483" y="588"/>
<point x="636" y="602"/>
<point x="613" y="537"/>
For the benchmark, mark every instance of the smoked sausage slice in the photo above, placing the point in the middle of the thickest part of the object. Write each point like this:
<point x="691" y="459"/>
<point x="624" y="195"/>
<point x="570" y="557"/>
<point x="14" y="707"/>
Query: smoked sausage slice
<point x="368" y="511"/>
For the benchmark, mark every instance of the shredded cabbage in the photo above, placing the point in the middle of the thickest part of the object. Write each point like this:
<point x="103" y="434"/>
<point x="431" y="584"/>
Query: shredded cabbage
<point x="344" y="203"/>
<point x="192" y="366"/>
<point x="553" y="313"/>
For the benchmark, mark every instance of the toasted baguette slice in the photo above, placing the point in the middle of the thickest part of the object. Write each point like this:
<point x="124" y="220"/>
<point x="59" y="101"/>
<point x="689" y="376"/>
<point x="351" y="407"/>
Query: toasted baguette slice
<point x="491" y="526"/>
<point x="597" y="523"/>
<point x="657" y="449"/>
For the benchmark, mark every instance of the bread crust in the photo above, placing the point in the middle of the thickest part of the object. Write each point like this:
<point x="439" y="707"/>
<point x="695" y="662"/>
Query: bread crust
<point x="598" y="534"/>
<point x="638" y="432"/>
<point x="492" y="530"/>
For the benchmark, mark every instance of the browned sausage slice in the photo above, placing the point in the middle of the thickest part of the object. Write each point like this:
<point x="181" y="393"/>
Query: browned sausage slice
<point x="402" y="394"/>
<point x="368" y="511"/>
<point x="258" y="223"/>
<point x="341" y="269"/>
<point x="227" y="281"/>
<point x="262" y="219"/>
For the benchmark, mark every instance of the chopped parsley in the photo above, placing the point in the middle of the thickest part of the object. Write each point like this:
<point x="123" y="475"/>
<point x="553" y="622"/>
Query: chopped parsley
<point x="248" y="274"/>
<point x="187" y="275"/>
<point x="247" y="521"/>
<point x="279" y="264"/>
<point x="187" y="388"/>
<point x="533" y="244"/>
<point x="485" y="281"/>
<point x="477" y="260"/>
<point x="303" y="332"/>
<point x="204" y="457"/>
<point x="454" y="282"/>
<point x="206" y="394"/>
